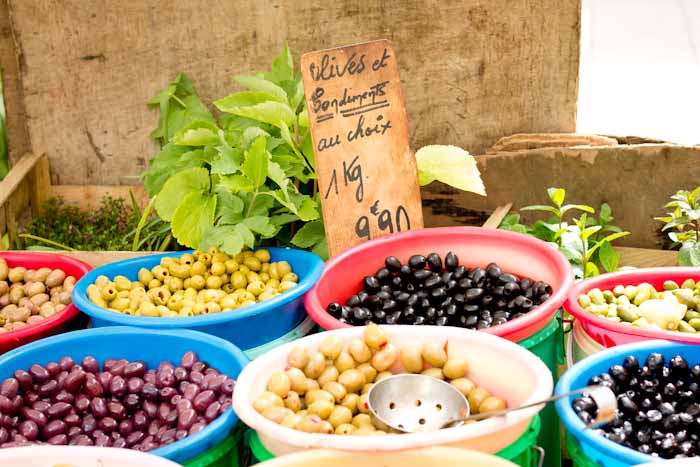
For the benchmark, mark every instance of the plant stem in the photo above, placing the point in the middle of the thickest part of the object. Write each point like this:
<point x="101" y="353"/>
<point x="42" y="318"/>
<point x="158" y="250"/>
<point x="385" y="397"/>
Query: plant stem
<point x="697" y="230"/>
<point x="142" y="222"/>
<point x="252" y="203"/>
<point x="48" y="242"/>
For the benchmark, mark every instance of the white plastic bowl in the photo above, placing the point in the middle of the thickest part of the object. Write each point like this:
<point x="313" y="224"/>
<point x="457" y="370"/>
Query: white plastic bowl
<point x="502" y="367"/>
<point x="428" y="457"/>
<point x="79" y="456"/>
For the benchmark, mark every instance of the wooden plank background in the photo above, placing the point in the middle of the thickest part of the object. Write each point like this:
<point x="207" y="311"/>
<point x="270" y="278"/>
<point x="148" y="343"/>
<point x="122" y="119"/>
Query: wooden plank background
<point x="636" y="181"/>
<point x="472" y="70"/>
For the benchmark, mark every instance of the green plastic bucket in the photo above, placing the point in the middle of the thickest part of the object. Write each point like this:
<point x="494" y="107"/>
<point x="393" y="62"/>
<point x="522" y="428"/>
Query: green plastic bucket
<point x="224" y="454"/>
<point x="522" y="452"/>
<point x="578" y="458"/>
<point x="306" y="327"/>
<point x="548" y="344"/>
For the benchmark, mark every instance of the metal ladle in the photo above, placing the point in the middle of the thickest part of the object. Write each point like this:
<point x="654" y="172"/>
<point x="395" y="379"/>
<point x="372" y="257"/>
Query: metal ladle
<point x="412" y="403"/>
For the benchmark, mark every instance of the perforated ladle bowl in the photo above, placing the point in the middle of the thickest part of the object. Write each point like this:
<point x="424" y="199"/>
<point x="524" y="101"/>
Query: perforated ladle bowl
<point x="411" y="403"/>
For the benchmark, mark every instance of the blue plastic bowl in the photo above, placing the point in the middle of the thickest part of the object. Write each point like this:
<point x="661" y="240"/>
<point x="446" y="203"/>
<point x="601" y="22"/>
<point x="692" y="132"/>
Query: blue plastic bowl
<point x="247" y="327"/>
<point x="595" y="447"/>
<point x="150" y="346"/>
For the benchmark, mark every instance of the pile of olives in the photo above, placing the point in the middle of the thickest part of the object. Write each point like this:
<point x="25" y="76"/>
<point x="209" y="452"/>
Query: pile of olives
<point x="658" y="405"/>
<point x="196" y="284"/>
<point x="325" y="391"/>
<point x="29" y="296"/>
<point x="427" y="290"/>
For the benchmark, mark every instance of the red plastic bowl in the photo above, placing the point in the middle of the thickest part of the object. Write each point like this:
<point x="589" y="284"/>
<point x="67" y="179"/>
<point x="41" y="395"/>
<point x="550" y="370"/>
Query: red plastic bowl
<point x="55" y="324"/>
<point x="609" y="333"/>
<point x="520" y="254"/>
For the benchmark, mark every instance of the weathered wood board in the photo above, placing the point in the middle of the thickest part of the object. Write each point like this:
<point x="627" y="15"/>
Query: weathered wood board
<point x="472" y="70"/>
<point x="367" y="173"/>
<point x="635" y="181"/>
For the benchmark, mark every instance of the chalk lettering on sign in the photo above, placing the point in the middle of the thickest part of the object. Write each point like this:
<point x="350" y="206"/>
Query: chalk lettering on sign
<point x="352" y="173"/>
<point x="326" y="143"/>
<point x="385" y="221"/>
<point x="330" y="69"/>
<point x="362" y="131"/>
<point x="369" y="97"/>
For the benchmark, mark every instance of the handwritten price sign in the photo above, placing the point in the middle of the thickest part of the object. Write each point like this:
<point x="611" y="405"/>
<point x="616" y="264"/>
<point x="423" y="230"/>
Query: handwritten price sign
<point x="366" y="171"/>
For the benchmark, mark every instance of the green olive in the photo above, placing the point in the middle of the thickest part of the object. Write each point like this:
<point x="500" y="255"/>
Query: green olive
<point x="359" y="351"/>
<point x="331" y="346"/>
<point x="350" y="401"/>
<point x="145" y="276"/>
<point x="238" y="280"/>
<point x="375" y="337"/>
<point x="434" y="354"/>
<point x="197" y="282"/>
<point x="352" y="379"/>
<point x="292" y="401"/>
<point x="411" y="359"/>
<point x="337" y="390"/>
<point x="330" y="374"/>
<point x="464" y="385"/>
<point x="253" y="263"/>
<point x="476" y="397"/>
<point x="455" y="367"/>
<point x="279" y="383"/>
<point x="218" y="269"/>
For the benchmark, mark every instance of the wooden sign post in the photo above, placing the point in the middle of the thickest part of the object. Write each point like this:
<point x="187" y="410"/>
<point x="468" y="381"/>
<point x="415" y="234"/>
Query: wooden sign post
<point x="367" y="174"/>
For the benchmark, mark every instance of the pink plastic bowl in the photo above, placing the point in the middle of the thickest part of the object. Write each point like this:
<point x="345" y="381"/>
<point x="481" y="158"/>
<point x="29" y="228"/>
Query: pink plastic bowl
<point x="52" y="325"/>
<point x="475" y="246"/>
<point x="609" y="333"/>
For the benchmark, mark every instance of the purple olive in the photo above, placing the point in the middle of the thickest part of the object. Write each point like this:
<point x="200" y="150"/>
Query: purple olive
<point x="151" y="408"/>
<point x="98" y="407"/>
<point x="48" y="389"/>
<point x="134" y="385"/>
<point x="80" y="440"/>
<point x="149" y="392"/>
<point x="126" y="427"/>
<point x="24" y="379"/>
<point x="190" y="392"/>
<point x="196" y="377"/>
<point x="5" y="405"/>
<point x="186" y="419"/>
<point x="89" y="424"/>
<point x="60" y="439"/>
<point x="197" y="427"/>
<point x="212" y="411"/>
<point x="199" y="366"/>
<point x="116" y="410"/>
<point x="107" y="424"/>
<point x="117" y="386"/>
<point x="140" y="420"/>
<point x="64" y="396"/>
<point x="92" y="387"/>
<point x="39" y="374"/>
<point x="61" y="378"/>
<point x="203" y="400"/>
<point x="82" y="403"/>
<point x="66" y="363"/>
<point x="132" y="401"/>
<point x="74" y="380"/>
<point x="167" y="393"/>
<point x="227" y="387"/>
<point x="153" y="427"/>
<point x="118" y="367"/>
<point x="9" y="388"/>
<point x="183" y="404"/>
<point x="134" y="369"/>
<point x="134" y="437"/>
<point x="90" y="365"/>
<point x="58" y="410"/>
<point x="4" y="435"/>
<point x="53" y="428"/>
<point x="72" y="419"/>
<point x="119" y="443"/>
<point x="150" y="377"/>
<point x="102" y="441"/>
<point x="73" y="431"/>
<point x="35" y="416"/>
<point x="163" y="411"/>
<point x="188" y="359"/>
<point x="53" y="368"/>
<point x="28" y="429"/>
<point x="104" y="378"/>
<point x="180" y="374"/>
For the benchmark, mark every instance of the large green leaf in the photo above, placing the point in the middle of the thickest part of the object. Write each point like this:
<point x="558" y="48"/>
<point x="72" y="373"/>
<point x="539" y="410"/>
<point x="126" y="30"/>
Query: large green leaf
<point x="252" y="133"/>
<point x="260" y="225"/>
<point x="163" y="165"/>
<point x="608" y="257"/>
<point x="689" y="254"/>
<point x="255" y="83"/>
<point x="255" y="164"/>
<point x="193" y="216"/>
<point x="229" y="207"/>
<point x="246" y="234"/>
<point x="239" y="100"/>
<point x="274" y="113"/>
<point x="302" y="205"/>
<point x="197" y="133"/>
<point x="309" y="235"/>
<point x="236" y="183"/>
<point x="556" y="195"/>
<point x="450" y="165"/>
<point x="226" y="237"/>
<point x="179" y="186"/>
<point x="277" y="175"/>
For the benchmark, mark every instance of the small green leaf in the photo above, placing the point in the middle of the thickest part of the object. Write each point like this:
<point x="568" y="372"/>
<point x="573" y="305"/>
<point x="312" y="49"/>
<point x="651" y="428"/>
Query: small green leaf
<point x="192" y="217"/>
<point x="242" y="99"/>
<point x="255" y="164"/>
<point x="260" y="225"/>
<point x="164" y="165"/>
<point x="198" y="133"/>
<point x="608" y="257"/>
<point x="255" y="83"/>
<point x="250" y="134"/>
<point x="605" y="213"/>
<point x="228" y="160"/>
<point x="195" y="180"/>
<point x="578" y="207"/>
<point x="591" y="270"/>
<point x="588" y="231"/>
<point x="450" y="165"/>
<point x="282" y="67"/>
<point x="541" y="207"/>
<point x="229" y="207"/>
<point x="556" y="195"/>
<point x="310" y="234"/>
<point x="277" y="175"/>
<point x="236" y="183"/>
<point x="269" y="111"/>
<point x="607" y="238"/>
<point x="283" y="219"/>
<point x="301" y="205"/>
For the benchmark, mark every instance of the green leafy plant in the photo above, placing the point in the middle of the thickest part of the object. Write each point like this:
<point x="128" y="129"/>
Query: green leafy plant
<point x="112" y="226"/>
<point x="682" y="224"/>
<point x="586" y="242"/>
<point x="248" y="178"/>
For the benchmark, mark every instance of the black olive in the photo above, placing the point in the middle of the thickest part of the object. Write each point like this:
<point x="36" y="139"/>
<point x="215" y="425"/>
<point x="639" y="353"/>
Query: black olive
<point x="412" y="300"/>
<point x="383" y="275"/>
<point x="507" y="277"/>
<point x="584" y="403"/>
<point x="525" y="283"/>
<point x="678" y="365"/>
<point x="362" y="295"/>
<point x="352" y="301"/>
<point x="542" y="298"/>
<point x="472" y="295"/>
<point x="654" y="416"/>
<point x="459" y="273"/>
<point x="666" y="408"/>
<point x="438" y="294"/>
<point x="421" y="275"/>
<point x="371" y="284"/>
<point x="417" y="262"/>
<point x="419" y="320"/>
<point x="379" y="315"/>
<point x="451" y="310"/>
<point x="346" y="313"/>
<point x="405" y="271"/>
<point x="409" y="313"/>
<point x="670" y="390"/>
<point x="483" y="324"/>
<point x="487" y="301"/>
<point x="619" y="373"/>
<point x="500" y="303"/>
<point x="386" y="288"/>
<point x="432" y="281"/>
<point x="500" y="314"/>
<point x="360" y="314"/>
<point x="585" y="417"/>
<point x="695" y="372"/>
<point x="451" y="286"/>
<point x="446" y="302"/>
<point x="334" y="308"/>
<point x="430" y="314"/>
<point x="471" y="309"/>
<point x="403" y="297"/>
<point x="458" y="298"/>
<point x="441" y="321"/>
<point x="451" y="261"/>
<point x="631" y="364"/>
<point x="493" y="270"/>
<point x="394" y="318"/>
<point x="627" y="405"/>
<point x="396" y="282"/>
<point x="392" y="263"/>
<point x="384" y="295"/>
<point x="389" y="305"/>
<point x="373" y="301"/>
<point x="499" y="320"/>
<point x="424" y="303"/>
<point x="511" y="288"/>
<point x="446" y="276"/>
<point x="465" y="283"/>
<point x="410" y="288"/>
<point x="655" y="361"/>
<point x="435" y="262"/>
<point x="478" y="276"/>
<point x="497" y="291"/>
<point x="472" y="321"/>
